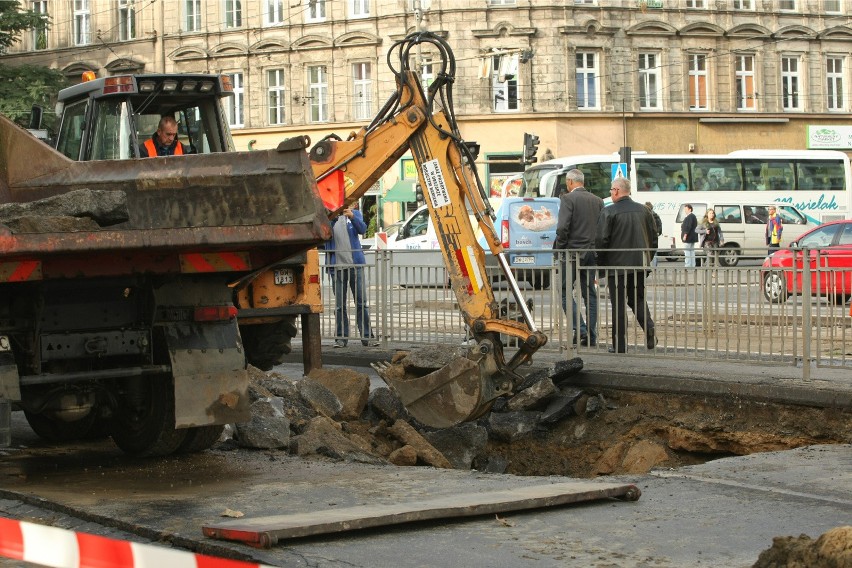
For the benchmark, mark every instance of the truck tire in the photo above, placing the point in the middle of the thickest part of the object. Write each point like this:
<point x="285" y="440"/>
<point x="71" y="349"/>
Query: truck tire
<point x="200" y="438"/>
<point x="266" y="344"/>
<point x="147" y="427"/>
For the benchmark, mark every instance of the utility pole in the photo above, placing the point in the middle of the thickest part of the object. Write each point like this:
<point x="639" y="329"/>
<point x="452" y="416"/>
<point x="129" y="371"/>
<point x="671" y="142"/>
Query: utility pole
<point x="418" y="17"/>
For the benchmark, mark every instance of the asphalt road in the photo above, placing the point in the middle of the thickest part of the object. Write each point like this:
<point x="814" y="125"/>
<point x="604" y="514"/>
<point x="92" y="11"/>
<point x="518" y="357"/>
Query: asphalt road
<point x="722" y="513"/>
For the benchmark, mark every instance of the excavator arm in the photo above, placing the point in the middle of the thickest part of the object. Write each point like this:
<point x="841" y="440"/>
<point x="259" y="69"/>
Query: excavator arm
<point x="411" y="120"/>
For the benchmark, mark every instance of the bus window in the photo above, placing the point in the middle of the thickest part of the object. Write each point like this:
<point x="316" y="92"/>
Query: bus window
<point x="597" y="177"/>
<point x="775" y="175"/>
<point x="711" y="175"/>
<point x="660" y="175"/>
<point x="821" y="175"/>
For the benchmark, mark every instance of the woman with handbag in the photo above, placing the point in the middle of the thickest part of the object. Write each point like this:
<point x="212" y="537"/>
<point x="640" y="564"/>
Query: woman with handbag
<point x="712" y="237"/>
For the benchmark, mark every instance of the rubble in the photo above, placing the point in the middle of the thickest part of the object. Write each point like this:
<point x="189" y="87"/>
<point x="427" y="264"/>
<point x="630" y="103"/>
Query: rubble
<point x="549" y="427"/>
<point x="268" y="427"/>
<point x="78" y="210"/>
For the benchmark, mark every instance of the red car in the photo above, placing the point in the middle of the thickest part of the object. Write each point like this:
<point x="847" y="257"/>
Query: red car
<point x="829" y="250"/>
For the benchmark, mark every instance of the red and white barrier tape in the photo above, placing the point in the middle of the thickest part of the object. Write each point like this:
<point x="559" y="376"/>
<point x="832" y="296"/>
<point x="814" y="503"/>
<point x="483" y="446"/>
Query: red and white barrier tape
<point x="60" y="548"/>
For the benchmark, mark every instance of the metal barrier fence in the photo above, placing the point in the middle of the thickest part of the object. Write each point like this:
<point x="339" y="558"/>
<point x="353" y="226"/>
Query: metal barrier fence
<point x="741" y="313"/>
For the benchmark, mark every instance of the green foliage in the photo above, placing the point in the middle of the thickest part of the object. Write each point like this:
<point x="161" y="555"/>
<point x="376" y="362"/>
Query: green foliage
<point x="371" y="226"/>
<point x="23" y="86"/>
<point x="14" y="21"/>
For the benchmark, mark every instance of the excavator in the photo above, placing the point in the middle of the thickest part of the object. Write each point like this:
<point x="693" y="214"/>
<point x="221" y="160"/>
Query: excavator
<point x="171" y="272"/>
<point x="424" y="122"/>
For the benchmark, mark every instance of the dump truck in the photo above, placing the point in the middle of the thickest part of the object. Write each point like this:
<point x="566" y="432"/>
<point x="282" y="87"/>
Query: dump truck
<point x="121" y="278"/>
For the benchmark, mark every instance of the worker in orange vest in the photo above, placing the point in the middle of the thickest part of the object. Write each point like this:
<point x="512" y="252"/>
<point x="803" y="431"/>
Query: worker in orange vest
<point x="164" y="141"/>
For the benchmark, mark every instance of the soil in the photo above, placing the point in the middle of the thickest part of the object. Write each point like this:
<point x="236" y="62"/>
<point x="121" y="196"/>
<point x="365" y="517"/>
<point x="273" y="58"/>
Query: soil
<point x="618" y="432"/>
<point x="831" y="550"/>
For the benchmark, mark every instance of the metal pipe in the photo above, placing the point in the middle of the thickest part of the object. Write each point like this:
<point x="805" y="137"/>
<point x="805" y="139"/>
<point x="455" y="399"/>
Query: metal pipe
<point x="50" y="378"/>
<point x="516" y="292"/>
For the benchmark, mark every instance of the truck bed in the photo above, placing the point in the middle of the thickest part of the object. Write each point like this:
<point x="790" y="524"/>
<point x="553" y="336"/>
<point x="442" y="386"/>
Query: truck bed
<point x="254" y="208"/>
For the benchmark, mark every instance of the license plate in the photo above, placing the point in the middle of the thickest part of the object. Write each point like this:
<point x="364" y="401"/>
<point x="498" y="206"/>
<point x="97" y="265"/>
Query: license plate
<point x="283" y="276"/>
<point x="524" y="260"/>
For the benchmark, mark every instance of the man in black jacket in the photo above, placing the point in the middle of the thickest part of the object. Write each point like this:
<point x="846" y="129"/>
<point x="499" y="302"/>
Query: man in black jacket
<point x="688" y="236"/>
<point x="624" y="236"/>
<point x="575" y="232"/>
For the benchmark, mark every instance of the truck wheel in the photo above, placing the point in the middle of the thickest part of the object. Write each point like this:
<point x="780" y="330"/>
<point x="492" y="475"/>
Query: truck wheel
<point x="266" y="344"/>
<point x="200" y="438"/>
<point x="144" y="423"/>
<point x="54" y="430"/>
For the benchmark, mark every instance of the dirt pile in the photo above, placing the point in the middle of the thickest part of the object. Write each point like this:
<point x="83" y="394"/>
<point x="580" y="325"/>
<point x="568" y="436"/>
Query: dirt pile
<point x="831" y="550"/>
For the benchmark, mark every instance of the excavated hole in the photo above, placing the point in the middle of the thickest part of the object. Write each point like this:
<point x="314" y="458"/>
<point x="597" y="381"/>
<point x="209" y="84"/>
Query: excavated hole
<point x="620" y="432"/>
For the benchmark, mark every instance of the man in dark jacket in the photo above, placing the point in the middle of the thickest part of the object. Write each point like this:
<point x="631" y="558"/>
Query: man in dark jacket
<point x="164" y="141"/>
<point x="624" y="236"/>
<point x="345" y="261"/>
<point x="575" y="232"/>
<point x="688" y="236"/>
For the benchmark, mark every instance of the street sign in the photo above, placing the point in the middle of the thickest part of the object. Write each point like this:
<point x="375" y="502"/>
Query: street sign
<point x="619" y="170"/>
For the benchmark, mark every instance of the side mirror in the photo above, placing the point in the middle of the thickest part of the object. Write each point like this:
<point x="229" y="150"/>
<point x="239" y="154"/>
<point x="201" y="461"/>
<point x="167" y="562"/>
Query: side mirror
<point x="794" y="245"/>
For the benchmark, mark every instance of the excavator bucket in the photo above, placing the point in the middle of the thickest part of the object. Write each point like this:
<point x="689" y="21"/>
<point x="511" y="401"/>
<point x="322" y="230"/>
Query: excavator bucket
<point x="455" y="393"/>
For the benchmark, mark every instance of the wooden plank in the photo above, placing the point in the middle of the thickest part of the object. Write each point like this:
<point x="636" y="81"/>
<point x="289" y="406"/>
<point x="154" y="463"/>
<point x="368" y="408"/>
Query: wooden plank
<point x="267" y="531"/>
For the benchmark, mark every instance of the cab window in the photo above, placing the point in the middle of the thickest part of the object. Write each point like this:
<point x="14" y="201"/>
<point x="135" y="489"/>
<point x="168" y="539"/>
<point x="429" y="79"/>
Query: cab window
<point x="71" y="131"/>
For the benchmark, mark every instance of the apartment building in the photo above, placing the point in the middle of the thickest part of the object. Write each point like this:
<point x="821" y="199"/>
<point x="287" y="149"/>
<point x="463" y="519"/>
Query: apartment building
<point x="586" y="76"/>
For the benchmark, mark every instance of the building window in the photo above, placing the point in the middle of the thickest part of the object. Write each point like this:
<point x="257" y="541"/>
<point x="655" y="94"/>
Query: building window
<point x="235" y="104"/>
<point x="501" y="2"/>
<point x="275" y="95"/>
<point x="831" y="6"/>
<point x="834" y="86"/>
<point x="790" y="83"/>
<point x="587" y="2"/>
<point x="126" y="20"/>
<point x="787" y="5"/>
<point x="318" y="93"/>
<point x="743" y="4"/>
<point x="695" y="4"/>
<point x="82" y="22"/>
<point x="233" y="13"/>
<point x="427" y="73"/>
<point x="315" y="11"/>
<point x="362" y="91"/>
<point x="40" y="29"/>
<point x="587" y="81"/>
<point x="746" y="97"/>
<point x="193" y="15"/>
<point x="697" y="81"/>
<point x="274" y="14"/>
<point x="649" y="81"/>
<point x="359" y="8"/>
<point x="504" y="83"/>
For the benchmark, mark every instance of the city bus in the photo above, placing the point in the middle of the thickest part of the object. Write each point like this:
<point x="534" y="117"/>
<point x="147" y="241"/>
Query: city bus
<point x="817" y="183"/>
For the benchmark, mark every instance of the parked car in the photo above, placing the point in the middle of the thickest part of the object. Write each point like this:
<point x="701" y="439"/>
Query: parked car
<point x="829" y="260"/>
<point x="743" y="226"/>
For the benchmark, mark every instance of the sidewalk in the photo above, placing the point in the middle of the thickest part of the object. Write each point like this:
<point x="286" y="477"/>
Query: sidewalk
<point x="828" y="387"/>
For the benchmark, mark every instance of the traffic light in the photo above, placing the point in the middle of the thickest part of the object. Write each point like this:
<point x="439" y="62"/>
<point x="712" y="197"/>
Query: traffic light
<point x="530" y="148"/>
<point x="418" y="192"/>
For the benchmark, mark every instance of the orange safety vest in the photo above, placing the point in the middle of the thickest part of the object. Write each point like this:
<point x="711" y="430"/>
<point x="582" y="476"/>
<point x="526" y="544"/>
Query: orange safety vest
<point x="152" y="149"/>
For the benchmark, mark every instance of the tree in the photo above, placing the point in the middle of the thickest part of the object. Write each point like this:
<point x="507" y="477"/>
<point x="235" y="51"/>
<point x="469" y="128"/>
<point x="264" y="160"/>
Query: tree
<point x="22" y="86"/>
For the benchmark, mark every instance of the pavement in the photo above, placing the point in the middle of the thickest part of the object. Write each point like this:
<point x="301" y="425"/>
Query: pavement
<point x="722" y="513"/>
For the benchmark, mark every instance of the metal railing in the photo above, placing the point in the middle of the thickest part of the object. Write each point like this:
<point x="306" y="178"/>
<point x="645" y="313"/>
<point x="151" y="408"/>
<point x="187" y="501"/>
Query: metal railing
<point x="711" y="312"/>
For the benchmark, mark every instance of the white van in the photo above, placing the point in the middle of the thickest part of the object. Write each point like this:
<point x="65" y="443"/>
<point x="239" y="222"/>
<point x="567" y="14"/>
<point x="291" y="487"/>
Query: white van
<point x="526" y="226"/>
<point x="744" y="227"/>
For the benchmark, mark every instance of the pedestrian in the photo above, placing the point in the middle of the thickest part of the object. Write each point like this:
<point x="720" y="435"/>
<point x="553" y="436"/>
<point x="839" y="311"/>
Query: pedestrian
<point x="774" y="228"/>
<point x="658" y="223"/>
<point x="688" y="236"/>
<point x="345" y="262"/>
<point x="575" y="233"/>
<point x="712" y="235"/>
<point x="624" y="236"/>
<point x="164" y="141"/>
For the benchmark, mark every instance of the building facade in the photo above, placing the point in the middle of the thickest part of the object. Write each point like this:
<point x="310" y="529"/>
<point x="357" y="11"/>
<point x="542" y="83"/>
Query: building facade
<point x="586" y="76"/>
